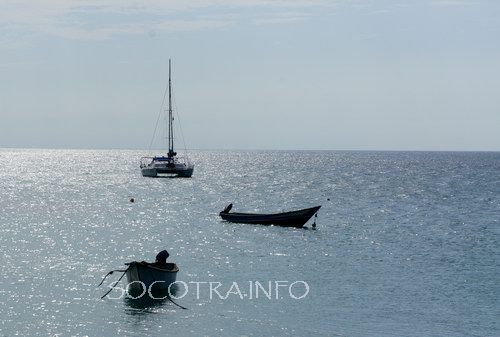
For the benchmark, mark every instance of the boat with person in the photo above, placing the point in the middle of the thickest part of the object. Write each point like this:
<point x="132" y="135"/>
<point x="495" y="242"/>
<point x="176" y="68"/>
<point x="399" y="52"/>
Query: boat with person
<point x="169" y="165"/>
<point x="147" y="276"/>
<point x="296" y="218"/>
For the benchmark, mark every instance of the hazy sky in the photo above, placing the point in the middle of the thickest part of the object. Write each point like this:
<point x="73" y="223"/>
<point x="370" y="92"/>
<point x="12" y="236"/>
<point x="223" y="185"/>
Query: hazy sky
<point x="252" y="74"/>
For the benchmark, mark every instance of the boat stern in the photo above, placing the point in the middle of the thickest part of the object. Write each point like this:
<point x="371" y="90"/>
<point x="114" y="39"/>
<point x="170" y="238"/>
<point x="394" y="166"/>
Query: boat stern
<point x="149" y="172"/>
<point x="144" y="277"/>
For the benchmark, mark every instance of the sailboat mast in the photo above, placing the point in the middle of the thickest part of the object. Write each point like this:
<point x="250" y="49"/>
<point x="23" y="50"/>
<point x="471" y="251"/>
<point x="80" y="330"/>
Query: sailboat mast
<point x="170" y="126"/>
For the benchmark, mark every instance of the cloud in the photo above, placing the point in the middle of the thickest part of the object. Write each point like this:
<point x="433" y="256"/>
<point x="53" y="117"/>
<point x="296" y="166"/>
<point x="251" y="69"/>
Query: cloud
<point x="105" y="19"/>
<point x="281" y="17"/>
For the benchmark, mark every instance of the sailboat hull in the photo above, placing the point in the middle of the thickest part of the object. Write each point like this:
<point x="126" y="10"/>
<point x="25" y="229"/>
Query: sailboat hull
<point x="149" y="172"/>
<point x="155" y="172"/>
<point x="159" y="167"/>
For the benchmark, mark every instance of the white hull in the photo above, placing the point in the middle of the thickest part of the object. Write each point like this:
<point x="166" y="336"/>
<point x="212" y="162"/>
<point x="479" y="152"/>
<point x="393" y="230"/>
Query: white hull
<point x="161" y="167"/>
<point x="149" y="172"/>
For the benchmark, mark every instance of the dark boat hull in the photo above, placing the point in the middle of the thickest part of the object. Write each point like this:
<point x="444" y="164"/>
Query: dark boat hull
<point x="287" y="219"/>
<point x="141" y="275"/>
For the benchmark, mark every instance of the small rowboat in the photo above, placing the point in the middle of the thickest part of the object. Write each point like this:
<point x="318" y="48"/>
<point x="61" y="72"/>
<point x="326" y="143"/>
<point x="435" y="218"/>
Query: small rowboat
<point x="287" y="219"/>
<point x="141" y="275"/>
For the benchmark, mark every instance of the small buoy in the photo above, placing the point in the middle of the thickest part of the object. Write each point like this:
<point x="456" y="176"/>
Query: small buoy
<point x="314" y="225"/>
<point x="327" y="199"/>
<point x="131" y="199"/>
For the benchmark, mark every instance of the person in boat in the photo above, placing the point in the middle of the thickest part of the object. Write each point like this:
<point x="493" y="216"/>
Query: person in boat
<point x="161" y="259"/>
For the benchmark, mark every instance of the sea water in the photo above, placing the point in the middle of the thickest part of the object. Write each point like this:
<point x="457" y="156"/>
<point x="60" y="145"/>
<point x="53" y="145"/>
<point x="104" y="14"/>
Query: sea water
<point x="407" y="244"/>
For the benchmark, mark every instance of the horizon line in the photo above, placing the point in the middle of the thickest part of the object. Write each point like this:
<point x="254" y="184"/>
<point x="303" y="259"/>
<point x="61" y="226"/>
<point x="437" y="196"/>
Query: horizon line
<point x="248" y="149"/>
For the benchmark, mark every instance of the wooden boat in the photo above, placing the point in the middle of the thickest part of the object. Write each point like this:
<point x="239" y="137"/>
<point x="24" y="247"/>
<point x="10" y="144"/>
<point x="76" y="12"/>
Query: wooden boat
<point x="288" y="219"/>
<point x="144" y="274"/>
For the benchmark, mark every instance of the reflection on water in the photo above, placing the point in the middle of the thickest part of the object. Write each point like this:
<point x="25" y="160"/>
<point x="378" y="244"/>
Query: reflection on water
<point x="144" y="302"/>
<point x="143" y="305"/>
<point x="407" y="243"/>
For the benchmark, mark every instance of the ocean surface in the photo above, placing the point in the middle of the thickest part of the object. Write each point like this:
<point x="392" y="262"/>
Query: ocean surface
<point x="407" y="244"/>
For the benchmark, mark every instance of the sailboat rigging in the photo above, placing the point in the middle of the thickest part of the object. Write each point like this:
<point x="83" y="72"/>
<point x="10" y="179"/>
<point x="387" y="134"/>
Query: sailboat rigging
<point x="169" y="165"/>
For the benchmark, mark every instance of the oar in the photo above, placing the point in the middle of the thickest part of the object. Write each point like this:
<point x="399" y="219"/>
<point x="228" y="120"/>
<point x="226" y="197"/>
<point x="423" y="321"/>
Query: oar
<point x="171" y="300"/>
<point x="111" y="272"/>
<point x="114" y="285"/>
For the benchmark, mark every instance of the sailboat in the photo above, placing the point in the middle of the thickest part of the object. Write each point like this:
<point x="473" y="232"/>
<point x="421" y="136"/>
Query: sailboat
<point x="169" y="165"/>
